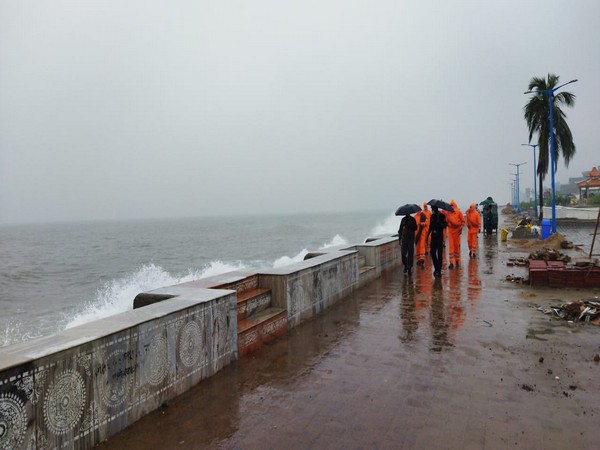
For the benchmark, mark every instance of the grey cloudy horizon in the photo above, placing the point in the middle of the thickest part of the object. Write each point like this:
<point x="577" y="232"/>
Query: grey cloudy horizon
<point x="131" y="109"/>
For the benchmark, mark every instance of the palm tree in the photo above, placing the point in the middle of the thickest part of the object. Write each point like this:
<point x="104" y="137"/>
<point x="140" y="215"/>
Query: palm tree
<point x="537" y="116"/>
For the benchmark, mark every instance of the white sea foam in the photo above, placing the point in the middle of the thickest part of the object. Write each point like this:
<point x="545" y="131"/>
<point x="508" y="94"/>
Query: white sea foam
<point x="286" y="260"/>
<point x="283" y="261"/>
<point x="117" y="296"/>
<point x="15" y="332"/>
<point x="388" y="227"/>
<point x="335" y="242"/>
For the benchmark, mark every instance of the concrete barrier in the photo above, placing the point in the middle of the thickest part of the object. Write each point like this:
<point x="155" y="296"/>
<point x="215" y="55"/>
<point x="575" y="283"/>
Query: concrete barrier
<point x="308" y="287"/>
<point x="567" y="212"/>
<point x="78" y="387"/>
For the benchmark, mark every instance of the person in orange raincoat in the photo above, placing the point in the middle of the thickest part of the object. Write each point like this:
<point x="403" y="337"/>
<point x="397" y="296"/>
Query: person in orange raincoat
<point x="422" y="233"/>
<point x="428" y="214"/>
<point x="473" y="226"/>
<point x="456" y="222"/>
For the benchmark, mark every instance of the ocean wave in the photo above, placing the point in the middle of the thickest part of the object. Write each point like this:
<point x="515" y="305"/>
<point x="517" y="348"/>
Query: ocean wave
<point x="117" y="296"/>
<point x="389" y="226"/>
<point x="335" y="242"/>
<point x="87" y="302"/>
<point x="286" y="260"/>
<point x="283" y="261"/>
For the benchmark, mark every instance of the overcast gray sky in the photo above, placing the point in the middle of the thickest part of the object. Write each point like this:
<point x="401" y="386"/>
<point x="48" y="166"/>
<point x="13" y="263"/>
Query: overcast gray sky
<point x="135" y="109"/>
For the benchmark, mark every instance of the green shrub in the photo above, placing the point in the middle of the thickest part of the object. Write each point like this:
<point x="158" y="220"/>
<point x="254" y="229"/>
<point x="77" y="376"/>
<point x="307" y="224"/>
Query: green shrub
<point x="594" y="200"/>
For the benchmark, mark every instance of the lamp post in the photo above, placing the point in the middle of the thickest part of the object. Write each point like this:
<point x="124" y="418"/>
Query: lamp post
<point x="535" y="210"/>
<point x="517" y="187"/>
<point x="550" y="93"/>
<point x="512" y="192"/>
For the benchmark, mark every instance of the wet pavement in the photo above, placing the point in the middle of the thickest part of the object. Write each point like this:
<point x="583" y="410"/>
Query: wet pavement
<point x="580" y="233"/>
<point x="462" y="362"/>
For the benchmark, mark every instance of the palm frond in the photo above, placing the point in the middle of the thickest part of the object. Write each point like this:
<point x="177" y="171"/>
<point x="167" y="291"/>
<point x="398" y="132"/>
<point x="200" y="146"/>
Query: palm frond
<point x="536" y="113"/>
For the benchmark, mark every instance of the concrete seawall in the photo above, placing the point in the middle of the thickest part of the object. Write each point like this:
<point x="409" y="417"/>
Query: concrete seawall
<point x="78" y="387"/>
<point x="565" y="212"/>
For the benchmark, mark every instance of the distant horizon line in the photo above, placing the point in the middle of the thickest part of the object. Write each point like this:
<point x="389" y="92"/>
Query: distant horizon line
<point x="184" y="217"/>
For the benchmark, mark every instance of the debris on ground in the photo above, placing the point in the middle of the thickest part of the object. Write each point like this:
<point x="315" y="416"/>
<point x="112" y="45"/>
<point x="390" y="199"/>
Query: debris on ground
<point x="549" y="254"/>
<point x="556" y="241"/>
<point x="521" y="261"/>
<point x="525" y="231"/>
<point x="514" y="279"/>
<point x="566" y="244"/>
<point x="587" y="311"/>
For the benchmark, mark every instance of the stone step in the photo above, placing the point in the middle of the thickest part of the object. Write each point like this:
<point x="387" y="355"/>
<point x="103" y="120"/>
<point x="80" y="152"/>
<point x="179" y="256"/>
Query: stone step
<point x="265" y="326"/>
<point x="365" y="269"/>
<point x="251" y="302"/>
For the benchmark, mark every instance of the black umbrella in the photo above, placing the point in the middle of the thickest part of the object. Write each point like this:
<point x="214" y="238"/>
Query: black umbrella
<point x="441" y="204"/>
<point x="409" y="208"/>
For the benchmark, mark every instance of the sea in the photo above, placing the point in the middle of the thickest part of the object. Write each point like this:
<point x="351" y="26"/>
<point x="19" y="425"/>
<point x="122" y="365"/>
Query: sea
<point x="61" y="275"/>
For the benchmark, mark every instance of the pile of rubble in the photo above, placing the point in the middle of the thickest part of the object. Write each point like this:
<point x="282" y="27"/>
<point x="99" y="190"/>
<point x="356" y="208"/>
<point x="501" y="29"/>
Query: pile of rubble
<point x="549" y="254"/>
<point x="587" y="311"/>
<point x="519" y="261"/>
<point x="515" y="279"/>
<point x="508" y="210"/>
<point x="556" y="241"/>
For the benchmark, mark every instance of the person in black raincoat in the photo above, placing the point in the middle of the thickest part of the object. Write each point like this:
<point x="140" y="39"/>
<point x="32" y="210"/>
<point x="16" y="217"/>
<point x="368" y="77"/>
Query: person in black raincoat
<point x="437" y="223"/>
<point x="406" y="236"/>
<point x="488" y="220"/>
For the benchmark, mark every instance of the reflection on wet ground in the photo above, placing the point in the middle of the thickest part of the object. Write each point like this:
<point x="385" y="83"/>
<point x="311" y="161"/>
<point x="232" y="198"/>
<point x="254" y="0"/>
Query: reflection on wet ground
<point x="407" y="362"/>
<point x="441" y="303"/>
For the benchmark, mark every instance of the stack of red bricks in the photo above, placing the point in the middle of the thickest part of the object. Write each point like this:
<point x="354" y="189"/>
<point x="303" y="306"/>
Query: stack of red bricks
<point x="538" y="272"/>
<point x="555" y="274"/>
<point x="592" y="277"/>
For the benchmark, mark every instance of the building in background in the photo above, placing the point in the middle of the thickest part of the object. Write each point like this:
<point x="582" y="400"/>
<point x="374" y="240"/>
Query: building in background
<point x="570" y="188"/>
<point x="590" y="185"/>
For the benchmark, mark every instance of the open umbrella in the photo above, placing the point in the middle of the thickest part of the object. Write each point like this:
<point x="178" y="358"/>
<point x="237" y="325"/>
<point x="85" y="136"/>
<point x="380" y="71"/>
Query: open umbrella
<point x="487" y="201"/>
<point x="441" y="204"/>
<point x="409" y="208"/>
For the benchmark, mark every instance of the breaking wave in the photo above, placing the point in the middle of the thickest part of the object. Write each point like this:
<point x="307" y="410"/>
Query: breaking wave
<point x="388" y="227"/>
<point x="117" y="295"/>
<point x="286" y="260"/>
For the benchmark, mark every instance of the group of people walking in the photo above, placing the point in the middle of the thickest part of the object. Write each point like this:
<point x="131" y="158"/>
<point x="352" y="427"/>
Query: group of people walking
<point x="426" y="232"/>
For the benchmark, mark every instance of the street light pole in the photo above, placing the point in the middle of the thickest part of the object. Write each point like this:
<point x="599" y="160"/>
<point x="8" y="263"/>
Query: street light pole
<point x="517" y="187"/>
<point x="550" y="93"/>
<point x="535" y="210"/>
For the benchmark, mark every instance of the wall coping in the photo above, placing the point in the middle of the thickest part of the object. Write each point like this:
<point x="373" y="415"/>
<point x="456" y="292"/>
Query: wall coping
<point x="315" y="261"/>
<point x="377" y="242"/>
